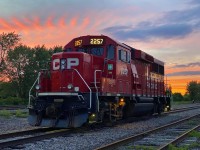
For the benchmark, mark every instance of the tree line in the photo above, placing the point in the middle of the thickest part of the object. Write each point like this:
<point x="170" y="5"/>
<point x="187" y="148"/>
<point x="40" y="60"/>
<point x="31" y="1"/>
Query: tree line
<point x="192" y="94"/>
<point x="20" y="64"/>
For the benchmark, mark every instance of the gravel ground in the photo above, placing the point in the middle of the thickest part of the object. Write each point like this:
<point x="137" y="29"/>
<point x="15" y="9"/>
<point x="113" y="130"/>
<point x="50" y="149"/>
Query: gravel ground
<point x="14" y="124"/>
<point x="93" y="139"/>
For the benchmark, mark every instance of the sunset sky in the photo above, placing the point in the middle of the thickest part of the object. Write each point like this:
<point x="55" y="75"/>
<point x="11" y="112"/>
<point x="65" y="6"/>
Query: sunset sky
<point x="167" y="30"/>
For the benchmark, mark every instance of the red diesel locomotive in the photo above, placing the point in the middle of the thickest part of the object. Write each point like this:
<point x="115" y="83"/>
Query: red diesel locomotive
<point x="97" y="79"/>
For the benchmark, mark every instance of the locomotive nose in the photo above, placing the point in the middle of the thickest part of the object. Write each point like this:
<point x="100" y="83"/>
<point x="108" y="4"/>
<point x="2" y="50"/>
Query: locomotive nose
<point x="66" y="68"/>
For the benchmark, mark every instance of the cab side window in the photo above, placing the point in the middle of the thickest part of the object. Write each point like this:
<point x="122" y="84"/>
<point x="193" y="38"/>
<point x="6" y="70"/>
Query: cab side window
<point x="128" y="57"/>
<point x="110" y="52"/>
<point x="124" y="56"/>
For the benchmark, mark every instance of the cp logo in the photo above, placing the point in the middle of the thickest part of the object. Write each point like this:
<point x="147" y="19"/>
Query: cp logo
<point x="70" y="62"/>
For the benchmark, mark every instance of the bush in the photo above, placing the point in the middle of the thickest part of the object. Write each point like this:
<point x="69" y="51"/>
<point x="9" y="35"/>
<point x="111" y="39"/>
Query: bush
<point x="177" y="97"/>
<point x="186" y="97"/>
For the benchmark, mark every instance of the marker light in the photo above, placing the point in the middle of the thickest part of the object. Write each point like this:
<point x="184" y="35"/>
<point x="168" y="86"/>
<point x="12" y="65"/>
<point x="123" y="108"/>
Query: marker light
<point x="121" y="100"/>
<point x="76" y="89"/>
<point x="70" y="86"/>
<point x="37" y="87"/>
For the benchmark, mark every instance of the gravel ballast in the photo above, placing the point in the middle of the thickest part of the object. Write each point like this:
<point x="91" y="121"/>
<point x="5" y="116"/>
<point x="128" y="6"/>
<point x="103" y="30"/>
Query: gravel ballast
<point x="92" y="139"/>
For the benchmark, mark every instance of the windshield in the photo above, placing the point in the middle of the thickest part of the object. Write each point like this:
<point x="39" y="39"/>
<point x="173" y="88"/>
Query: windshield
<point x="82" y="50"/>
<point x="67" y="50"/>
<point x="98" y="51"/>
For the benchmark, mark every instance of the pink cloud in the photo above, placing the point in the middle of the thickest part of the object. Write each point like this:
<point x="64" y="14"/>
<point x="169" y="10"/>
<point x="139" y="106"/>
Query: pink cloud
<point x="73" y="22"/>
<point x="49" y="22"/>
<point x="4" y="25"/>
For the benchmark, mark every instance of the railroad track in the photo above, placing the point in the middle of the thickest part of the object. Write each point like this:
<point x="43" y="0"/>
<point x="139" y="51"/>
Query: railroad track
<point x="182" y="109"/>
<point x="158" y="138"/>
<point x="29" y="136"/>
<point x="132" y="119"/>
<point x="181" y="138"/>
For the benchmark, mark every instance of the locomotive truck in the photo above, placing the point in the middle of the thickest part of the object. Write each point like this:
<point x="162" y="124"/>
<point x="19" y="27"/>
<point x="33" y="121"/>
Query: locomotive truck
<point x="97" y="79"/>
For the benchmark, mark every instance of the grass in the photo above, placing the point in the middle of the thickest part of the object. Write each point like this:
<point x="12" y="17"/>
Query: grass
<point x="181" y="102"/>
<point x="186" y="147"/>
<point x="5" y="113"/>
<point x="8" y="114"/>
<point x="195" y="134"/>
<point x="138" y="147"/>
<point x="21" y="114"/>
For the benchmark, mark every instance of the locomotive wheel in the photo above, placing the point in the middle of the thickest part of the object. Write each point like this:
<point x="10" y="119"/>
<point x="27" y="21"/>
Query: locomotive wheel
<point x="39" y="119"/>
<point x="159" y="108"/>
<point x="125" y="112"/>
<point x="106" y="120"/>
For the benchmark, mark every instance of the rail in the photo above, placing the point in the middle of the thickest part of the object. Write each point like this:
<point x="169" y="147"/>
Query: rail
<point x="130" y="139"/>
<point x="37" y="80"/>
<point x="30" y="136"/>
<point x="179" y="138"/>
<point x="95" y="84"/>
<point x="85" y="84"/>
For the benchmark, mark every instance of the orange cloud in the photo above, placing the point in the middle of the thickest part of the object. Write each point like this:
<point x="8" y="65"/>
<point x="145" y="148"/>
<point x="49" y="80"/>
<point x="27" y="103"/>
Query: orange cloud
<point x="50" y="32"/>
<point x="27" y="24"/>
<point x="179" y="83"/>
<point x="18" y="24"/>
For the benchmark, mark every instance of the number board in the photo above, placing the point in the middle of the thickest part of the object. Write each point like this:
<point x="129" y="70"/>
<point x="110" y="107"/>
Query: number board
<point x="96" y="41"/>
<point x="78" y="42"/>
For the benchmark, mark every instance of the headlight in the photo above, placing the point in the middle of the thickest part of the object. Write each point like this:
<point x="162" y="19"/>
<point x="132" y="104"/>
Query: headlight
<point x="70" y="86"/>
<point x="37" y="87"/>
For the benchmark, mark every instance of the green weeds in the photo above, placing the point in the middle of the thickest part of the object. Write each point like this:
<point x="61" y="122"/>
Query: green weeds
<point x="21" y="114"/>
<point x="8" y="114"/>
<point x="187" y="147"/>
<point x="5" y="113"/>
<point x="140" y="147"/>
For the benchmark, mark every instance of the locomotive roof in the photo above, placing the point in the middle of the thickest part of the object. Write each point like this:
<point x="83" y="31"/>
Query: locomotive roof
<point x="97" y="36"/>
<point x="123" y="45"/>
<point x="158" y="62"/>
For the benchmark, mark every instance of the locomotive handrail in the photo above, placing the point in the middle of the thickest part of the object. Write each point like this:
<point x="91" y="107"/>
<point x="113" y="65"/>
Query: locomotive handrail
<point x="95" y="84"/>
<point x="29" y="101"/>
<point x="86" y="85"/>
